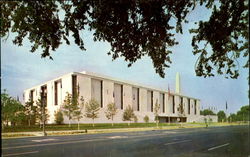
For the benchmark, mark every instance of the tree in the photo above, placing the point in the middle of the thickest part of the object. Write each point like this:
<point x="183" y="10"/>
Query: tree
<point x="111" y="111"/>
<point x="207" y="112"/>
<point x="59" y="117"/>
<point x="11" y="110"/>
<point x="30" y="111"/>
<point x="181" y="110"/>
<point x="146" y="119"/>
<point x="156" y="112"/>
<point x="205" y="120"/>
<point x="128" y="114"/>
<point x="227" y="36"/>
<point x="243" y="114"/>
<point x="232" y="118"/>
<point x="69" y="107"/>
<point x="78" y="114"/>
<point x="39" y="112"/>
<point x="221" y="116"/>
<point x="135" y="29"/>
<point x="6" y="110"/>
<point x="92" y="110"/>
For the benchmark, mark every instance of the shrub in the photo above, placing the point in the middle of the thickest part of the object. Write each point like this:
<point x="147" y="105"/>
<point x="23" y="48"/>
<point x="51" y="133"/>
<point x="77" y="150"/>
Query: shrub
<point x="128" y="114"/>
<point x="92" y="110"/>
<point x="146" y="119"/>
<point x="59" y="117"/>
<point x="135" y="119"/>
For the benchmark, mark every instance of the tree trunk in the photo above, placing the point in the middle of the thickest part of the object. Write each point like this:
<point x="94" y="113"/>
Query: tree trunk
<point x="93" y="123"/>
<point x="69" y="123"/>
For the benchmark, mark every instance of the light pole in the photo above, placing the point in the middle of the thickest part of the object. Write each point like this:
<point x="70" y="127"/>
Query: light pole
<point x="43" y="113"/>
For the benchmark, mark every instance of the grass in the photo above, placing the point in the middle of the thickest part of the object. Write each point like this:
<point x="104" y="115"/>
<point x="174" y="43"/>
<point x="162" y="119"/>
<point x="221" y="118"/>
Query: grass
<point x="16" y="135"/>
<point x="54" y="127"/>
<point x="65" y="127"/>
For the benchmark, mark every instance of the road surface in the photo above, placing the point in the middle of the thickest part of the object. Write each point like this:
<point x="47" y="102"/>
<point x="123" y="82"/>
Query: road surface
<point x="230" y="141"/>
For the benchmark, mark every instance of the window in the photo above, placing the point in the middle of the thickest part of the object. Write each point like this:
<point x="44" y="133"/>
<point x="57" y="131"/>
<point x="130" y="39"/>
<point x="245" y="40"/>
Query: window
<point x="189" y="106"/>
<point x="136" y="105"/>
<point x="96" y="91"/>
<point x="195" y="101"/>
<point x="32" y="96"/>
<point x="44" y="95"/>
<point x="173" y="104"/>
<point x="56" y="93"/>
<point x="74" y="86"/>
<point x="162" y="102"/>
<point x="121" y="97"/>
<point x="118" y="95"/>
<point x="152" y="101"/>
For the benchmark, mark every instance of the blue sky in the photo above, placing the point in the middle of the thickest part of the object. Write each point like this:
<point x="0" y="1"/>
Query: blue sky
<point x="21" y="69"/>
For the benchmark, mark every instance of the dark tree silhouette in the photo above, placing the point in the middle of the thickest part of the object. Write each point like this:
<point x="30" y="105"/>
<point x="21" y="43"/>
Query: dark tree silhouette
<point x="134" y="28"/>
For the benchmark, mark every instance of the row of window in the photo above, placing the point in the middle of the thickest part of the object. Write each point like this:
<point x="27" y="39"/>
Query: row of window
<point x="97" y="89"/>
<point x="43" y="94"/>
<point x="97" y="94"/>
<point x="189" y="105"/>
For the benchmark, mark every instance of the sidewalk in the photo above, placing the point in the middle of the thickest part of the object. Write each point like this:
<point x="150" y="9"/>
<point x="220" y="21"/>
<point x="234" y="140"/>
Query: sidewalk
<point x="96" y="131"/>
<point x="72" y="132"/>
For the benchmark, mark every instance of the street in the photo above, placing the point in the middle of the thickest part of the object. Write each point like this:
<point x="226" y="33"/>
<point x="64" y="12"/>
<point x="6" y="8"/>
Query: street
<point x="230" y="141"/>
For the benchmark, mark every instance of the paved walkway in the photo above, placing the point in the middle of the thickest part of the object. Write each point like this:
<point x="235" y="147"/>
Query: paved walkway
<point x="94" y="131"/>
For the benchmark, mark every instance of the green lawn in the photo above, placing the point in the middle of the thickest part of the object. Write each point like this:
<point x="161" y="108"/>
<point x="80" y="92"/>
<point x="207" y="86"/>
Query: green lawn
<point x="53" y="127"/>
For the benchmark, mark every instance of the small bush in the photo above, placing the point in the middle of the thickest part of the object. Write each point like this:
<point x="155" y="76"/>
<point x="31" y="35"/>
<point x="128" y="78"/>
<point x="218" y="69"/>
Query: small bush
<point x="59" y="117"/>
<point x="146" y="119"/>
<point x="135" y="119"/>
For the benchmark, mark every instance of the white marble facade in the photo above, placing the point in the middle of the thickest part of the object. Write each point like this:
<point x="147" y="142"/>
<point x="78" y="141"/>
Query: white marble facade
<point x="123" y="93"/>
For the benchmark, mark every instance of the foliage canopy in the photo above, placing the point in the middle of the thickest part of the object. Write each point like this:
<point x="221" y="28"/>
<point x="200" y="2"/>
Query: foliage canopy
<point x="92" y="110"/>
<point x="221" y="116"/>
<point x="135" y="29"/>
<point x="128" y="114"/>
<point x="206" y="112"/>
<point x="111" y="111"/>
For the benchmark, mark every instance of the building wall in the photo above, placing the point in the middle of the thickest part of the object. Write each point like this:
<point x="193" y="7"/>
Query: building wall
<point x="202" y="118"/>
<point x="143" y="100"/>
<point x="127" y="96"/>
<point x="108" y="91"/>
<point x="85" y="86"/>
<point x="84" y="83"/>
<point x="62" y="93"/>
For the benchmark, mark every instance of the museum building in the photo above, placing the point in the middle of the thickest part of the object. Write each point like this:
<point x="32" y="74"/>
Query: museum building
<point x="107" y="90"/>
